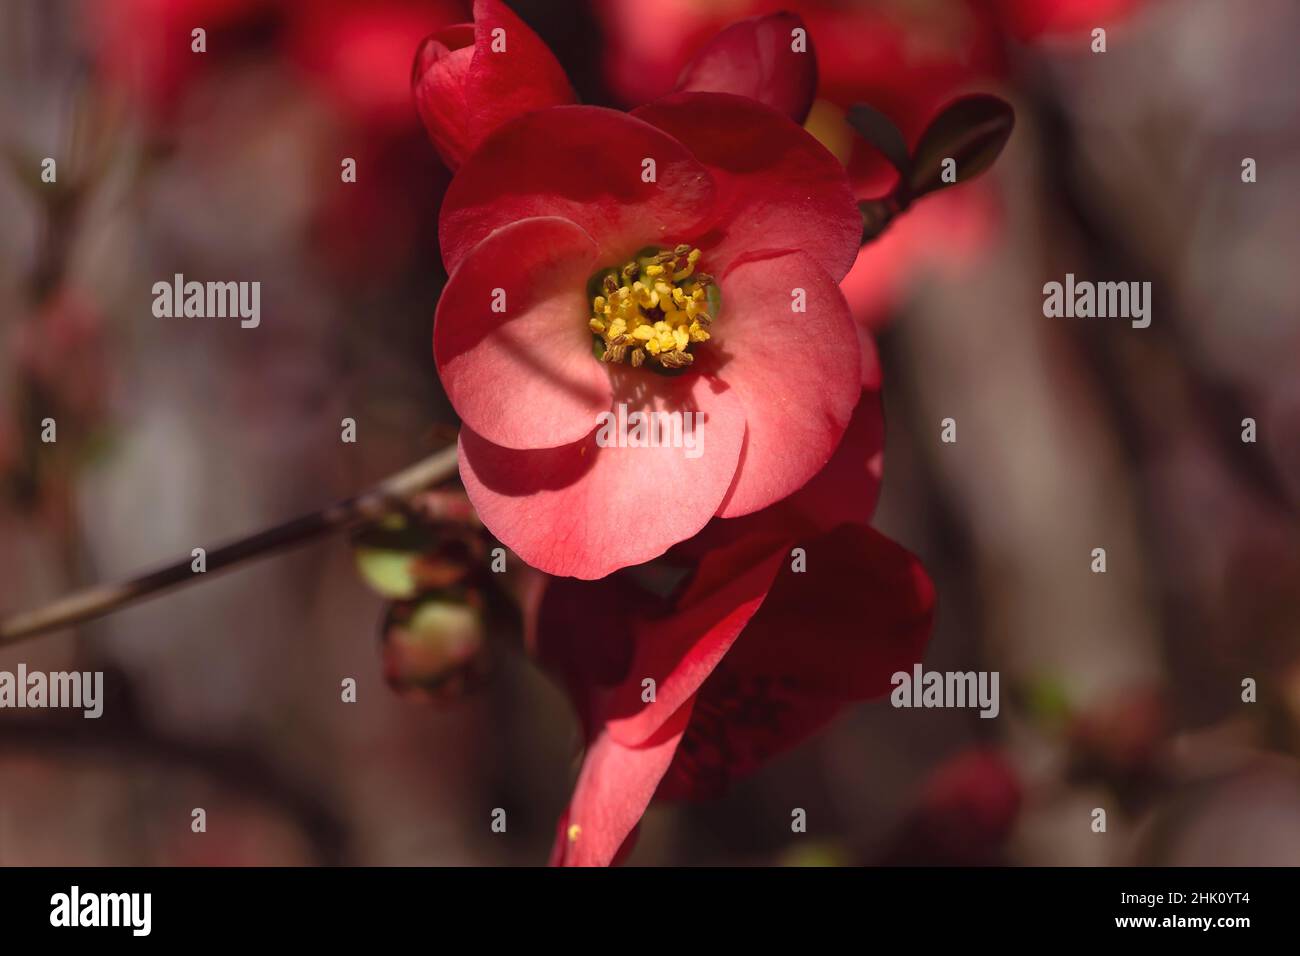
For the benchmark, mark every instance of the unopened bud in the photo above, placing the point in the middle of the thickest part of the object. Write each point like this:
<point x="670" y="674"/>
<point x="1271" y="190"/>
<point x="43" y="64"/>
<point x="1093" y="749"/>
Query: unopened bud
<point x="434" y="647"/>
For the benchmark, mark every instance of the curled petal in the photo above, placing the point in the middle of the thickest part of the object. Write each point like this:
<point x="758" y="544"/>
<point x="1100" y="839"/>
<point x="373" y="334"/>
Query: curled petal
<point x="471" y="78"/>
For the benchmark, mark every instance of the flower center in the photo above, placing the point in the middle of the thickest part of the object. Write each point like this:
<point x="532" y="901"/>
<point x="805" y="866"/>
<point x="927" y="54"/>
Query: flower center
<point x="653" y="309"/>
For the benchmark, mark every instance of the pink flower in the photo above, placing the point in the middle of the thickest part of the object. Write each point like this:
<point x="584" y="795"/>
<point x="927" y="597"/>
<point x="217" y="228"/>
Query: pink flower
<point x="359" y="54"/>
<point x="748" y="659"/>
<point x="963" y="815"/>
<point x="679" y="698"/>
<point x="355" y="52"/>
<point x="762" y="349"/>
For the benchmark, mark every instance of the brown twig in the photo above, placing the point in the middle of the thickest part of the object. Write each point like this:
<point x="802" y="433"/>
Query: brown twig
<point x="101" y="599"/>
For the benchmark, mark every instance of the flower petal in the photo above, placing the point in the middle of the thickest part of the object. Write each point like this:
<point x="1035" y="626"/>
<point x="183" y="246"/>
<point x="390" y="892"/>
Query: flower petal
<point x="846" y="490"/>
<point x="614" y="787"/>
<point x="465" y="92"/>
<point x="863" y="609"/>
<point x="797" y="373"/>
<point x="778" y="188"/>
<point x="560" y="848"/>
<point x="585" y="638"/>
<point x="585" y="164"/>
<point x="511" y="338"/>
<point x="438" y="88"/>
<point x="843" y="492"/>
<point x="740" y="723"/>
<point x="758" y="58"/>
<point x="826" y="636"/>
<point x="680" y="652"/>
<point x="583" y="510"/>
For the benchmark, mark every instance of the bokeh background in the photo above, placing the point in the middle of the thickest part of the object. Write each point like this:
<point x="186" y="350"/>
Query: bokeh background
<point x="1119" y="690"/>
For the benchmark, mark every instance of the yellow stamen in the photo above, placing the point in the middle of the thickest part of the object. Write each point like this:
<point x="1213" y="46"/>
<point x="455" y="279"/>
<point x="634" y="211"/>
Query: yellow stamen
<point x="653" y="309"/>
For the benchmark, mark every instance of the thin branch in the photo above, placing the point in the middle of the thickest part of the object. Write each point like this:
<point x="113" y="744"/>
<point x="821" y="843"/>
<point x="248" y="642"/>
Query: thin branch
<point x="98" y="600"/>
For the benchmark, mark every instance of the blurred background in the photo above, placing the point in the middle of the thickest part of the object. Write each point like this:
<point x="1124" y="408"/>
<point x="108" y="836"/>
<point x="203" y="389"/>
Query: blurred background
<point x="1120" y="690"/>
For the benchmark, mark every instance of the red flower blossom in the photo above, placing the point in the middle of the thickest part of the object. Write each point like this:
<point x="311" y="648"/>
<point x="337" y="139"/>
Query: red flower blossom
<point x="749" y="660"/>
<point x="144" y="46"/>
<point x="350" y="58"/>
<point x="762" y="347"/>
<point x="359" y="54"/>
<point x="1033" y="19"/>
<point x="471" y="77"/>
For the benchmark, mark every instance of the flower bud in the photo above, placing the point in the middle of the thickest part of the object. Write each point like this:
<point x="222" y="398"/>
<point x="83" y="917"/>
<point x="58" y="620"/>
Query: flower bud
<point x="1120" y="736"/>
<point x="434" y="647"/>
<point x="470" y="78"/>
<point x="965" y="812"/>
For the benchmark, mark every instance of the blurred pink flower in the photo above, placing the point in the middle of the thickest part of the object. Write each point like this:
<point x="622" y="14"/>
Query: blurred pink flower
<point x="357" y="53"/>
<point x="964" y="813"/>
<point x="63" y="352"/>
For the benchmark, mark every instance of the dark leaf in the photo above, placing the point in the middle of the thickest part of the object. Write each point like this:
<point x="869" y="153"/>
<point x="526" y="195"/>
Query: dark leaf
<point x="970" y="130"/>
